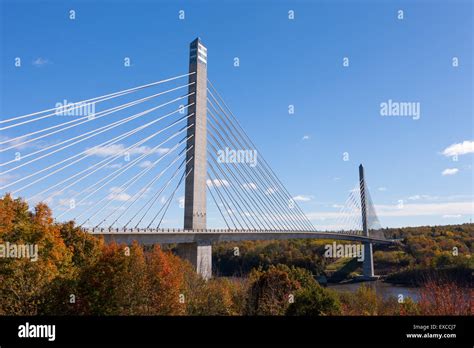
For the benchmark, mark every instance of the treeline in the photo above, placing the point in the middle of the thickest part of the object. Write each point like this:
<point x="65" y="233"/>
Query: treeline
<point x="423" y="252"/>
<point x="77" y="274"/>
<point x="238" y="259"/>
<point x="435" y="245"/>
<point x="429" y="252"/>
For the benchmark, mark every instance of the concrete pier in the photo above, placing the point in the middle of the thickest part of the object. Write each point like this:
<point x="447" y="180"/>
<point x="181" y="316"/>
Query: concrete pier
<point x="200" y="256"/>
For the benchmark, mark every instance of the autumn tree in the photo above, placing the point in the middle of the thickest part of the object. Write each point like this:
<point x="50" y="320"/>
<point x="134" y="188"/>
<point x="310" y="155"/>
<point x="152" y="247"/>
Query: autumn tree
<point x="314" y="301"/>
<point x="270" y="291"/>
<point x="439" y="297"/>
<point x="116" y="284"/>
<point x="364" y="301"/>
<point x="24" y="281"/>
<point x="218" y="296"/>
<point x="166" y="282"/>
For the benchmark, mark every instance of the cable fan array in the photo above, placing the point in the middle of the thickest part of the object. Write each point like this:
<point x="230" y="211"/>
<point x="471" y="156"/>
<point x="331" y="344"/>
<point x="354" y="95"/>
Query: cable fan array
<point x="249" y="196"/>
<point x="349" y="220"/>
<point x="121" y="166"/>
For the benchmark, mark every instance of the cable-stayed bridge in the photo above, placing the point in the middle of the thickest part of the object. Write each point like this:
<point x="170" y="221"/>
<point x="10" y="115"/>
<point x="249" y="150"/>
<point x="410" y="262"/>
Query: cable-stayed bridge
<point x="191" y="142"/>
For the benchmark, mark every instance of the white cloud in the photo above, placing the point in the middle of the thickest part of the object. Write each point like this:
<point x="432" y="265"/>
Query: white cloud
<point x="463" y="148"/>
<point x="122" y="197"/>
<point x="40" y="61"/>
<point x="302" y="198"/>
<point x="145" y="164"/>
<point x="64" y="202"/>
<point x="382" y="189"/>
<point x="115" y="149"/>
<point x="271" y="191"/>
<point x="117" y="194"/>
<point x="49" y="201"/>
<point x="217" y="183"/>
<point x="249" y="186"/>
<point x="418" y="197"/>
<point x="423" y="197"/>
<point x="6" y="178"/>
<point x="448" y="216"/>
<point x="181" y="201"/>
<point x="325" y="215"/>
<point x="332" y="227"/>
<point x="305" y="137"/>
<point x="449" y="171"/>
<point x="115" y="166"/>
<point x="18" y="143"/>
<point x="409" y="209"/>
<point x="423" y="209"/>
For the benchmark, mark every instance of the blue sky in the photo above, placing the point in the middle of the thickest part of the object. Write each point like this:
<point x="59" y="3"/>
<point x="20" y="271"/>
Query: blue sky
<point x="282" y="62"/>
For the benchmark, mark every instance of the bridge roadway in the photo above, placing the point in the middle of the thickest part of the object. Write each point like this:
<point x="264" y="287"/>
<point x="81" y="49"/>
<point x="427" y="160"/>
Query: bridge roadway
<point x="173" y="235"/>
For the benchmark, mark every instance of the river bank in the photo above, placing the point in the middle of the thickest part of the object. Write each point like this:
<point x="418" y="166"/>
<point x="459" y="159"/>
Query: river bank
<point x="381" y="288"/>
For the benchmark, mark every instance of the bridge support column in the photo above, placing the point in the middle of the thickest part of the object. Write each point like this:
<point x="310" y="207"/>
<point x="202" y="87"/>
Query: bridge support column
<point x="200" y="256"/>
<point x="368" y="263"/>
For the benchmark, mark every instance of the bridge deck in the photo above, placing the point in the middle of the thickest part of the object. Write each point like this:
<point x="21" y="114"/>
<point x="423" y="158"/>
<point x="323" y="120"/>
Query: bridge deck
<point x="166" y="236"/>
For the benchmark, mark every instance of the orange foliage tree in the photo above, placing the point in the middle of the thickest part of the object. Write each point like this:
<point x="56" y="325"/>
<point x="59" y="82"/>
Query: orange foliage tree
<point x="166" y="283"/>
<point x="445" y="298"/>
<point x="24" y="282"/>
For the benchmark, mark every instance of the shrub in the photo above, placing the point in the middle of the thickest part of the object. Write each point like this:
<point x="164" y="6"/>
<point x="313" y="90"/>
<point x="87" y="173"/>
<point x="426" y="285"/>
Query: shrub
<point x="445" y="298"/>
<point x="314" y="301"/>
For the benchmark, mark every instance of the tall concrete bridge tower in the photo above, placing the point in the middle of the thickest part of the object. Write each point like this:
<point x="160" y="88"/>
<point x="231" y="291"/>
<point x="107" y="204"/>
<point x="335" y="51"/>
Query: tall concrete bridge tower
<point x="368" y="263"/>
<point x="199" y="253"/>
